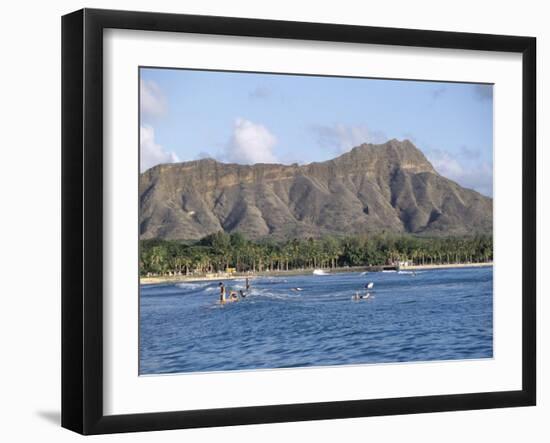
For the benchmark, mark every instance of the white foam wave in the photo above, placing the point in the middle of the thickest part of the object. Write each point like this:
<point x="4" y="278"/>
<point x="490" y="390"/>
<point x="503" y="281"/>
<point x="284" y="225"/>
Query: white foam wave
<point x="191" y="286"/>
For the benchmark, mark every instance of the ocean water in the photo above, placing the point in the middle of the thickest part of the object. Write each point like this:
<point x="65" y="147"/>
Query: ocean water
<point x="443" y="314"/>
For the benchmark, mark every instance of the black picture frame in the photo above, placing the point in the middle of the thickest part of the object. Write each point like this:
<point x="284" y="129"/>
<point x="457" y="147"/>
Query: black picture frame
<point x="82" y="215"/>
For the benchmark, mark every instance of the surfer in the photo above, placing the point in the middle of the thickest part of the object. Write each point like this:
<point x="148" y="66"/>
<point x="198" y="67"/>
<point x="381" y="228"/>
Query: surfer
<point x="358" y="296"/>
<point x="233" y="295"/>
<point x="247" y="285"/>
<point x="222" y="293"/>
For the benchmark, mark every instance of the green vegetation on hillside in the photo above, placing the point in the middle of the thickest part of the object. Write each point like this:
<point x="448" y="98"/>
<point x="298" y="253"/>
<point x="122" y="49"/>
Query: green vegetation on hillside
<point x="219" y="251"/>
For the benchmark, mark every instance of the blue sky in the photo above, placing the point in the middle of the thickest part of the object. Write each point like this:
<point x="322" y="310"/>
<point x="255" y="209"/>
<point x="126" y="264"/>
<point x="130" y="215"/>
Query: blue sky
<point x="251" y="118"/>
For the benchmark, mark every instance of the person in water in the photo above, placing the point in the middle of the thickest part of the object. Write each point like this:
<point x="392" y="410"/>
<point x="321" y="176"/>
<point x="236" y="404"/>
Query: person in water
<point x="358" y="296"/>
<point x="233" y="295"/>
<point x="247" y="284"/>
<point x="241" y="292"/>
<point x="222" y="293"/>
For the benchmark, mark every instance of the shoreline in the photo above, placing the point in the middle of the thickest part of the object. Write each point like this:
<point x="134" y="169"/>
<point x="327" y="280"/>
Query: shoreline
<point x="446" y="266"/>
<point x="225" y="276"/>
<point x="294" y="272"/>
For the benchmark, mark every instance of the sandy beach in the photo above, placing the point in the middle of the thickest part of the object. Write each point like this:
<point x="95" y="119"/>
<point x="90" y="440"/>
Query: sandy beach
<point x="446" y="266"/>
<point x="227" y="276"/>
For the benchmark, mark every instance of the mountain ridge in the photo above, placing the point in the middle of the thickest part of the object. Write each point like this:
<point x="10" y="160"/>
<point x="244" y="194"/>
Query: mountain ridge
<point x="388" y="187"/>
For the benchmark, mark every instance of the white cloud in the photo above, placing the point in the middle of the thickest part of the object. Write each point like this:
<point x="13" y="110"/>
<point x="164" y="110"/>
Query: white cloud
<point x="464" y="168"/>
<point x="153" y="103"/>
<point x="250" y="143"/>
<point x="446" y="164"/>
<point x="152" y="153"/>
<point x="341" y="138"/>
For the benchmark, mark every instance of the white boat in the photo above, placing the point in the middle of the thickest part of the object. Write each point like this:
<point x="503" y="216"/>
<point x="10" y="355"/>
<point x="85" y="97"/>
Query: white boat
<point x="319" y="272"/>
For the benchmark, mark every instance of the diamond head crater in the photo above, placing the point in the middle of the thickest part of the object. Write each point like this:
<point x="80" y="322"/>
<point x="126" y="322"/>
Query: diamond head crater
<point x="390" y="187"/>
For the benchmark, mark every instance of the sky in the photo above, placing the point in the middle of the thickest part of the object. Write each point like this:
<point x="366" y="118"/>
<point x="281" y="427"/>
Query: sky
<point x="269" y="118"/>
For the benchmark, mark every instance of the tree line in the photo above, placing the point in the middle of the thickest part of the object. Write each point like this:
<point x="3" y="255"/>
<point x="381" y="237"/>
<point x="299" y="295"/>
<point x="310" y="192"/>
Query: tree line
<point x="220" y="251"/>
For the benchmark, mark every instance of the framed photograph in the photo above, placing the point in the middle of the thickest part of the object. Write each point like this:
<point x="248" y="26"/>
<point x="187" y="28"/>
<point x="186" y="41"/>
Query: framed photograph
<point x="268" y="221"/>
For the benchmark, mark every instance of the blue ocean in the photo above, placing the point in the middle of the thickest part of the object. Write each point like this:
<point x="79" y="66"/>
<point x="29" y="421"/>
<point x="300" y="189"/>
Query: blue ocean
<point x="312" y="320"/>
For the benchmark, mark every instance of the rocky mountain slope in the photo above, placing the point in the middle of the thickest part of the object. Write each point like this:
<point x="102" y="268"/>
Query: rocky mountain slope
<point x="390" y="187"/>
